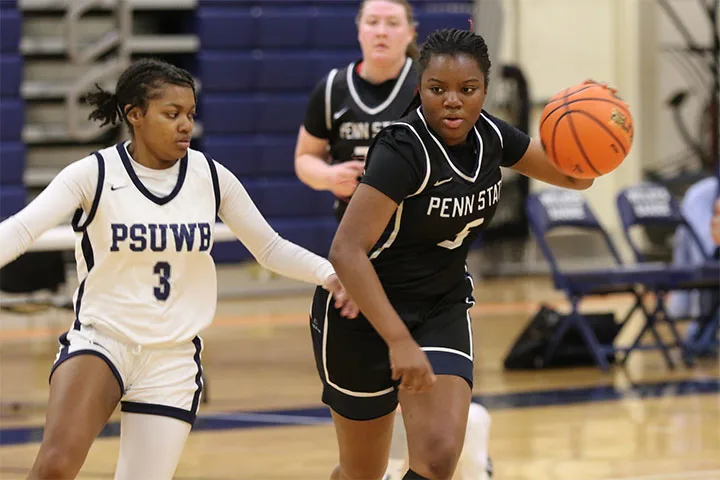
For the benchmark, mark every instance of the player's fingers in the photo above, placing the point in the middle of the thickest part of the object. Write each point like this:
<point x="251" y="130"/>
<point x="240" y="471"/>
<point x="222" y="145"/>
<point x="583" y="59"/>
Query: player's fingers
<point x="340" y="297"/>
<point x="356" y="164"/>
<point x="424" y="377"/>
<point x="429" y="380"/>
<point x="350" y="310"/>
<point x="408" y="383"/>
<point x="415" y="382"/>
<point x="352" y="168"/>
<point x="346" y="309"/>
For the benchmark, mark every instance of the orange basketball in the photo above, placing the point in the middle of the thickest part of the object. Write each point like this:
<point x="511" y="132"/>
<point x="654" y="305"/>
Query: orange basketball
<point x="586" y="130"/>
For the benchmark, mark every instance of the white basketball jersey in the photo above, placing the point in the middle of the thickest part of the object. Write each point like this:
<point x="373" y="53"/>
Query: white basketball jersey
<point x="144" y="265"/>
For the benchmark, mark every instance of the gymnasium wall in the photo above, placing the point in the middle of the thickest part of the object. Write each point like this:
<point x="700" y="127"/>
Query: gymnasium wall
<point x="560" y="43"/>
<point x="674" y="70"/>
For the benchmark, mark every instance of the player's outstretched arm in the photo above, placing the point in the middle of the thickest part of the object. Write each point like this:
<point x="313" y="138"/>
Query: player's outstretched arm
<point x="536" y="164"/>
<point x="272" y="251"/>
<point x="73" y="188"/>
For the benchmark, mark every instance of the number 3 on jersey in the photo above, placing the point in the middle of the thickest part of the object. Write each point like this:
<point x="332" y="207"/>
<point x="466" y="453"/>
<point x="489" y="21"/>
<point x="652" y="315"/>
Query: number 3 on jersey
<point x="162" y="291"/>
<point x="457" y="241"/>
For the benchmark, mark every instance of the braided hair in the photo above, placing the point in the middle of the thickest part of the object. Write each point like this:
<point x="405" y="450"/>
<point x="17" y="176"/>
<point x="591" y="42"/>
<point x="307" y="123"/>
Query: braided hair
<point x="138" y="84"/>
<point x="451" y="42"/>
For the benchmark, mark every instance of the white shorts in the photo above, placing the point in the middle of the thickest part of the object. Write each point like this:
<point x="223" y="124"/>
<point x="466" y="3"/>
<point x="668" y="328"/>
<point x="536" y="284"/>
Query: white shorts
<point x="166" y="382"/>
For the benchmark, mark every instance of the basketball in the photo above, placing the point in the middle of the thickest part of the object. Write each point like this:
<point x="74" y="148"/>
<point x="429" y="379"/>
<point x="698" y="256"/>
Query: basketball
<point x="586" y="130"/>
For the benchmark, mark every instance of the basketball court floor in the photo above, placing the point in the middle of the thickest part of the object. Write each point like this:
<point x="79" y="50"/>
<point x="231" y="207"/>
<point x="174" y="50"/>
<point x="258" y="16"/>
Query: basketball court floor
<point x="264" y="419"/>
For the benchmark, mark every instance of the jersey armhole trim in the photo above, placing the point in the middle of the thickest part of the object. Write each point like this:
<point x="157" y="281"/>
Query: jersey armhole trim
<point x="215" y="182"/>
<point x="427" y="159"/>
<point x="328" y="98"/>
<point x="495" y="127"/>
<point x="76" y="225"/>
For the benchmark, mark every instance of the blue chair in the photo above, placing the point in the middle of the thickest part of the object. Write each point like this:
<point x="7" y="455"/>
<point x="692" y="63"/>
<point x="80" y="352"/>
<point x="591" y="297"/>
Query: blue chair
<point x="555" y="209"/>
<point x="651" y="205"/>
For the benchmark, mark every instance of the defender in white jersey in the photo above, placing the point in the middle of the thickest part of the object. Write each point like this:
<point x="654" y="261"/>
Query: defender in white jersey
<point x="146" y="255"/>
<point x="144" y="213"/>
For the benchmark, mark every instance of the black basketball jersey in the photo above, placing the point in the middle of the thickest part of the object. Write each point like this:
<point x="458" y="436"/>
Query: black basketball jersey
<point x="353" y="119"/>
<point x="446" y="196"/>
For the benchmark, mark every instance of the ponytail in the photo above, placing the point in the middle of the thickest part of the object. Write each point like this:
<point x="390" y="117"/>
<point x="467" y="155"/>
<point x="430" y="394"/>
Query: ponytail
<point x="107" y="108"/>
<point x="413" y="51"/>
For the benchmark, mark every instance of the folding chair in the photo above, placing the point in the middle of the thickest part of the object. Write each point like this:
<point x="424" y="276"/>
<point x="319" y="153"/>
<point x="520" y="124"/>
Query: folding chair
<point x="650" y="205"/>
<point x="553" y="209"/>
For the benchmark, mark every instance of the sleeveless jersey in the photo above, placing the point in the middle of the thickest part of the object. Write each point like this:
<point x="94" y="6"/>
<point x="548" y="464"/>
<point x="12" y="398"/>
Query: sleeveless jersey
<point x="144" y="265"/>
<point x="351" y="122"/>
<point x="422" y="253"/>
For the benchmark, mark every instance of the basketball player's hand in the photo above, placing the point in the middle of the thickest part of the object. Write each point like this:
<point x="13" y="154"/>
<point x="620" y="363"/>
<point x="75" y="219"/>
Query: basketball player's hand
<point x="715" y="223"/>
<point x="411" y="366"/>
<point x="590" y="81"/>
<point x="344" y="178"/>
<point x="347" y="306"/>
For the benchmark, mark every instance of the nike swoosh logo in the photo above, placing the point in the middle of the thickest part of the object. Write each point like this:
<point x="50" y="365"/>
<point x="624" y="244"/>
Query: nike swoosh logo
<point x="118" y="187"/>
<point x="440" y="182"/>
<point x="340" y="113"/>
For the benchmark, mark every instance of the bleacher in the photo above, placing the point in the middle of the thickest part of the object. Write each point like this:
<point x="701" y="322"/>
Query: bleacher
<point x="68" y="46"/>
<point x="12" y="151"/>
<point x="258" y="63"/>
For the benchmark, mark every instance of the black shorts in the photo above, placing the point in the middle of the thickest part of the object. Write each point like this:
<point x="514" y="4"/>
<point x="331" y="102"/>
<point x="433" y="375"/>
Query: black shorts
<point x="354" y="363"/>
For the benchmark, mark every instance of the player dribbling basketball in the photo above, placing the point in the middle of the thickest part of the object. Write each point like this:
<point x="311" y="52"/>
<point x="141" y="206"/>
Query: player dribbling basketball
<point x="432" y="182"/>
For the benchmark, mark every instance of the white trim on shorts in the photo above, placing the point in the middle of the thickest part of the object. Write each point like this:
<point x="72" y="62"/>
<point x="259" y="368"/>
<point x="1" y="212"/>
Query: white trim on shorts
<point x="340" y="389"/>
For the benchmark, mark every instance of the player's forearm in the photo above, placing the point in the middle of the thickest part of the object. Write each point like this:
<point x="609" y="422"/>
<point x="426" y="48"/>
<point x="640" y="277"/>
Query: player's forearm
<point x="57" y="202"/>
<point x="362" y="283"/>
<point x="15" y="240"/>
<point x="538" y="165"/>
<point x="292" y="261"/>
<point x="313" y="171"/>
